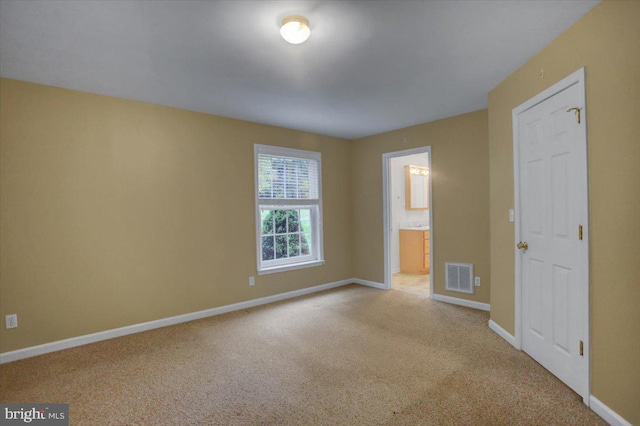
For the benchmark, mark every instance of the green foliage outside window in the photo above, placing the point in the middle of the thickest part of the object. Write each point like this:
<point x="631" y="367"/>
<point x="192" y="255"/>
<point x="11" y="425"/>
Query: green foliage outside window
<point x="285" y="233"/>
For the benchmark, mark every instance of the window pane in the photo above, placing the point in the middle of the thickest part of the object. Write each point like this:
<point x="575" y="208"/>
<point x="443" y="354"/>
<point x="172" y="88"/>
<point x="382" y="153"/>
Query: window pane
<point x="305" y="220"/>
<point x="265" y="176"/>
<point x="305" y="244"/>
<point x="267" y="248"/>
<point x="281" y="246"/>
<point x="280" y="219"/>
<point x="292" y="220"/>
<point x="291" y="179"/>
<point x="305" y="180"/>
<point x="278" y="189"/>
<point x="267" y="221"/>
<point x="292" y="235"/>
<point x="294" y="245"/>
<point x="281" y="173"/>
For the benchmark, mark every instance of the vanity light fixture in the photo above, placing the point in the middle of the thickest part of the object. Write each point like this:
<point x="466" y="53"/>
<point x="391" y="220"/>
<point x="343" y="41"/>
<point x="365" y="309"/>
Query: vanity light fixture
<point x="417" y="170"/>
<point x="295" y="29"/>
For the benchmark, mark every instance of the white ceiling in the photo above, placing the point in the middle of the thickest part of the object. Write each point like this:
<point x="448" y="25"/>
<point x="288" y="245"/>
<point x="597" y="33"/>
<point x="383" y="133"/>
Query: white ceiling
<point x="368" y="67"/>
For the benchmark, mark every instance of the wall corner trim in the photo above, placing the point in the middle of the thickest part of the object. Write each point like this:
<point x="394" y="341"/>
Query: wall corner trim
<point x="164" y="322"/>
<point x="370" y="284"/>
<point x="503" y="333"/>
<point x="609" y="416"/>
<point x="462" y="302"/>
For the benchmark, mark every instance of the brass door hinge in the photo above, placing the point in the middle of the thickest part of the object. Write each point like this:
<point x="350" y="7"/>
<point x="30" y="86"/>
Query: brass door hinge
<point x="580" y="232"/>
<point x="581" y="348"/>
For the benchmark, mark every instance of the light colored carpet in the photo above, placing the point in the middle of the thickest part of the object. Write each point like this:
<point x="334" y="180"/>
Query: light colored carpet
<point x="411" y="283"/>
<point x="352" y="355"/>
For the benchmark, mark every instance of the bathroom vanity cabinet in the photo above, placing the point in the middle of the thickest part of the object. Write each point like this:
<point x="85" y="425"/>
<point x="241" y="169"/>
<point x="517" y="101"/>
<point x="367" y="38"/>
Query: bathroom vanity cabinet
<point x="414" y="251"/>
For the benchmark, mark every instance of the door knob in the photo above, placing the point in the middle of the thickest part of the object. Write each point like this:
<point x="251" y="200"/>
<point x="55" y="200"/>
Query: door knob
<point x="523" y="246"/>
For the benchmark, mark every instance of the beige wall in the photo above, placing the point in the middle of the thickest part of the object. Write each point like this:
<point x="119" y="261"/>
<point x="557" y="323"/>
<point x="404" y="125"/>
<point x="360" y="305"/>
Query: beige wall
<point x="607" y="42"/>
<point x="460" y="173"/>
<point x="116" y="212"/>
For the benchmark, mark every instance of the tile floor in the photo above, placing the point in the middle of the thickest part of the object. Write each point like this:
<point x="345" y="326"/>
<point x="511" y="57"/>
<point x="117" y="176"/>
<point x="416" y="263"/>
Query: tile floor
<point x="410" y="283"/>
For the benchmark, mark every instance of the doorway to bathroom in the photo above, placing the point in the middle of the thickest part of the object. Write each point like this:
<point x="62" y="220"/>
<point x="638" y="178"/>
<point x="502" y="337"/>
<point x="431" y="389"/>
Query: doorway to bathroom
<point x="408" y="231"/>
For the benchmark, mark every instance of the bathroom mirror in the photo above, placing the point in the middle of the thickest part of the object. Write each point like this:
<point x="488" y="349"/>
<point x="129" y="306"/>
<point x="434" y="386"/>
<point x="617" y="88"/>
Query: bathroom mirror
<point x="416" y="187"/>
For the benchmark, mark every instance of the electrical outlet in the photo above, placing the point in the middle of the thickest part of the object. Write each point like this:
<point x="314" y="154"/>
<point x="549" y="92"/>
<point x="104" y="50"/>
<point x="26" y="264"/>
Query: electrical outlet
<point x="252" y="281"/>
<point x="12" y="320"/>
<point x="477" y="281"/>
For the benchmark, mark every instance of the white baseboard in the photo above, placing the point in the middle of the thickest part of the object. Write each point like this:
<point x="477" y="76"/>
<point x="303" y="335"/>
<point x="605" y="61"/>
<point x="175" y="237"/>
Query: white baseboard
<point x="598" y="407"/>
<point x="137" y="328"/>
<point x="609" y="416"/>
<point x="462" y="302"/>
<point x="370" y="283"/>
<point x="503" y="333"/>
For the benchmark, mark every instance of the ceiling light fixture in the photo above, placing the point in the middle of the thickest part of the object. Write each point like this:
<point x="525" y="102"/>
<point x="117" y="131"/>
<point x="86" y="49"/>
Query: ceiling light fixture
<point x="295" y="29"/>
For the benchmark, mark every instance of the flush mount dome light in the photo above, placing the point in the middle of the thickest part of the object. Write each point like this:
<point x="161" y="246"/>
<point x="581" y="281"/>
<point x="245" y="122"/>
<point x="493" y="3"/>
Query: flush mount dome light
<point x="295" y="29"/>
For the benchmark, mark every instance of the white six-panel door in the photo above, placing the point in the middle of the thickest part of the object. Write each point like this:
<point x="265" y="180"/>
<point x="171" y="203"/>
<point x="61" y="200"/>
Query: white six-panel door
<point x="553" y="212"/>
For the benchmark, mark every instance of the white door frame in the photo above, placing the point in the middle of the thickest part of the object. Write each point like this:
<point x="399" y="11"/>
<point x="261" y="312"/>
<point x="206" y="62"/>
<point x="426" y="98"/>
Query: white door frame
<point x="386" y="211"/>
<point x="578" y="78"/>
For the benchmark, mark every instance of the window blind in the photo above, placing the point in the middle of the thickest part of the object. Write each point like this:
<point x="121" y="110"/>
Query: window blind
<point x="287" y="178"/>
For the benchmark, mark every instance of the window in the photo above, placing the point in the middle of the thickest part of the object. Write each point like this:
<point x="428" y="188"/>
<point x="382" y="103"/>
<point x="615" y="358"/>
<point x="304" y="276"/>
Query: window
<point x="288" y="208"/>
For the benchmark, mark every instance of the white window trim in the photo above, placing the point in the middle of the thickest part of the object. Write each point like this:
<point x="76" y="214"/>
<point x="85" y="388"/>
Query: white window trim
<point x="305" y="262"/>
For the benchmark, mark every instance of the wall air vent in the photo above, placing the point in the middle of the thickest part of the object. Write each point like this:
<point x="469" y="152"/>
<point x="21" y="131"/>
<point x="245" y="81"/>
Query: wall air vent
<point x="459" y="277"/>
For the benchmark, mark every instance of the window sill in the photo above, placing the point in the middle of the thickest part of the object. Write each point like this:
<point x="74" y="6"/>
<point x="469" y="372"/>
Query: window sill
<point x="284" y="268"/>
